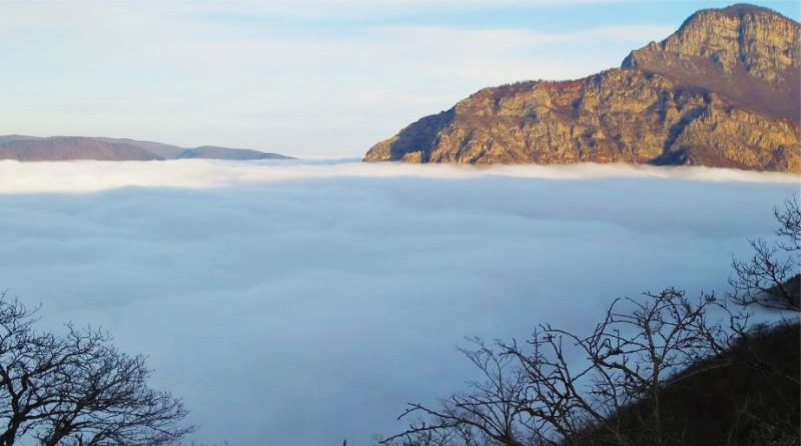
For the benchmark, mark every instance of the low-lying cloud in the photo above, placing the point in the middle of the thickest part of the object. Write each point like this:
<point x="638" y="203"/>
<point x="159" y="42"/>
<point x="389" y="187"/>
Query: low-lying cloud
<point x="304" y="303"/>
<point x="94" y="176"/>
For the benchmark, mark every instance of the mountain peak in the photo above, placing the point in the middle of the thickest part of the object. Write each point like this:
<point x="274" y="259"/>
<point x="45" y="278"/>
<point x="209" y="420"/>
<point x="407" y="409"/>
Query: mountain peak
<point x="741" y="9"/>
<point x="749" y="53"/>
<point x="737" y="11"/>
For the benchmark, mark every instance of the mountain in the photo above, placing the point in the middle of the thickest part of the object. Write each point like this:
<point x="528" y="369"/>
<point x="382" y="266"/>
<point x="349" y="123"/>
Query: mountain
<point x="229" y="154"/>
<point x="722" y="91"/>
<point x="744" y="52"/>
<point x="63" y="148"/>
<point x="166" y="151"/>
<point x="6" y="138"/>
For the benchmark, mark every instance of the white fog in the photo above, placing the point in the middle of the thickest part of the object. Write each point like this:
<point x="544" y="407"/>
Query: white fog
<point x="303" y="303"/>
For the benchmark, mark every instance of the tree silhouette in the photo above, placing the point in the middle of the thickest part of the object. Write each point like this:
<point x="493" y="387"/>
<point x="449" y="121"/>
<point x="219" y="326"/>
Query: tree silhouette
<point x="628" y="381"/>
<point x="77" y="389"/>
<point x="770" y="278"/>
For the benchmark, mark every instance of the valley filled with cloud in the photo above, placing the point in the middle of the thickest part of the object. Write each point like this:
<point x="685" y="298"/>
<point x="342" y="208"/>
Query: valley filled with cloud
<point x="304" y="303"/>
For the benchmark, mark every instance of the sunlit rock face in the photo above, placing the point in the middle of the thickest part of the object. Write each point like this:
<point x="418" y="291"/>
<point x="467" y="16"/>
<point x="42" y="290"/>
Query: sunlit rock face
<point x="722" y="91"/>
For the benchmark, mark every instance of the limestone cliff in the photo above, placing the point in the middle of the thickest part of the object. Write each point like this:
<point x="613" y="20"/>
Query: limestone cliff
<point x="722" y="91"/>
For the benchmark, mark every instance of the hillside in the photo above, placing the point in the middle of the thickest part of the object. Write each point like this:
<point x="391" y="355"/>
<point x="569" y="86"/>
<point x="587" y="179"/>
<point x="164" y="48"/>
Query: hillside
<point x="166" y="151"/>
<point x="722" y="91"/>
<point x="229" y="154"/>
<point x="747" y="395"/>
<point x="64" y="148"/>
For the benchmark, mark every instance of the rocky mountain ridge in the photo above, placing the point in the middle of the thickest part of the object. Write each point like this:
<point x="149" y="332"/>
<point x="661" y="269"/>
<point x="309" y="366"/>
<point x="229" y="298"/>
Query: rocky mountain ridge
<point x="722" y="91"/>
<point x="65" y="148"/>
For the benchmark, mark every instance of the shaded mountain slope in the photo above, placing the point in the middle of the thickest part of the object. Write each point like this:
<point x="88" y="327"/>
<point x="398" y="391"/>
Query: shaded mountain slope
<point x="749" y="395"/>
<point x="722" y="91"/>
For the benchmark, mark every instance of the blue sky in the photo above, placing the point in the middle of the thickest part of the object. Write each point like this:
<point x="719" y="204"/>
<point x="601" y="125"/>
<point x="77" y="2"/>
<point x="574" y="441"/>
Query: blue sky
<point x="326" y="78"/>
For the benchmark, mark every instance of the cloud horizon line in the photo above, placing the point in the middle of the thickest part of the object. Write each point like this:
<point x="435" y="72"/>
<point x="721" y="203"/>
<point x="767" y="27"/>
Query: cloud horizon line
<point x="87" y="176"/>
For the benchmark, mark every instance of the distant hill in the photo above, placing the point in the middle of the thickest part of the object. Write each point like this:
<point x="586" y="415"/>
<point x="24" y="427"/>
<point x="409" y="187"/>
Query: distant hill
<point x="64" y="148"/>
<point x="229" y="154"/>
<point x="6" y="138"/>
<point x="722" y="91"/>
<point x="165" y="151"/>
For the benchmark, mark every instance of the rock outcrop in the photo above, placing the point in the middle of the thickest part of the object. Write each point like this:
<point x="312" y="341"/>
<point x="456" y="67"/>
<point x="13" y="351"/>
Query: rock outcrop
<point x="722" y="91"/>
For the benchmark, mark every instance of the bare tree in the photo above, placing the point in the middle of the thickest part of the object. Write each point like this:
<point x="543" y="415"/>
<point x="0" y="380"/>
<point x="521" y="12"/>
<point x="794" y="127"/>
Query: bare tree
<point x="561" y="385"/>
<point x="772" y="277"/>
<point x="610" y="386"/>
<point x="77" y="389"/>
<point x="488" y="414"/>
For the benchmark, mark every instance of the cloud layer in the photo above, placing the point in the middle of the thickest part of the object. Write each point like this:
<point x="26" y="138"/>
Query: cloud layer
<point x="306" y="303"/>
<point x="94" y="176"/>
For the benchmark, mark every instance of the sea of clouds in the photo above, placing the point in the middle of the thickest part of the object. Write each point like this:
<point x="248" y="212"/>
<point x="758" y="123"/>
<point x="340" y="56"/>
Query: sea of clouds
<point x="303" y="303"/>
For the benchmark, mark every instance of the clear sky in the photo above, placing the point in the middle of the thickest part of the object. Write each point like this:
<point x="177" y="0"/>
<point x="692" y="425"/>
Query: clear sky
<point x="304" y="78"/>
